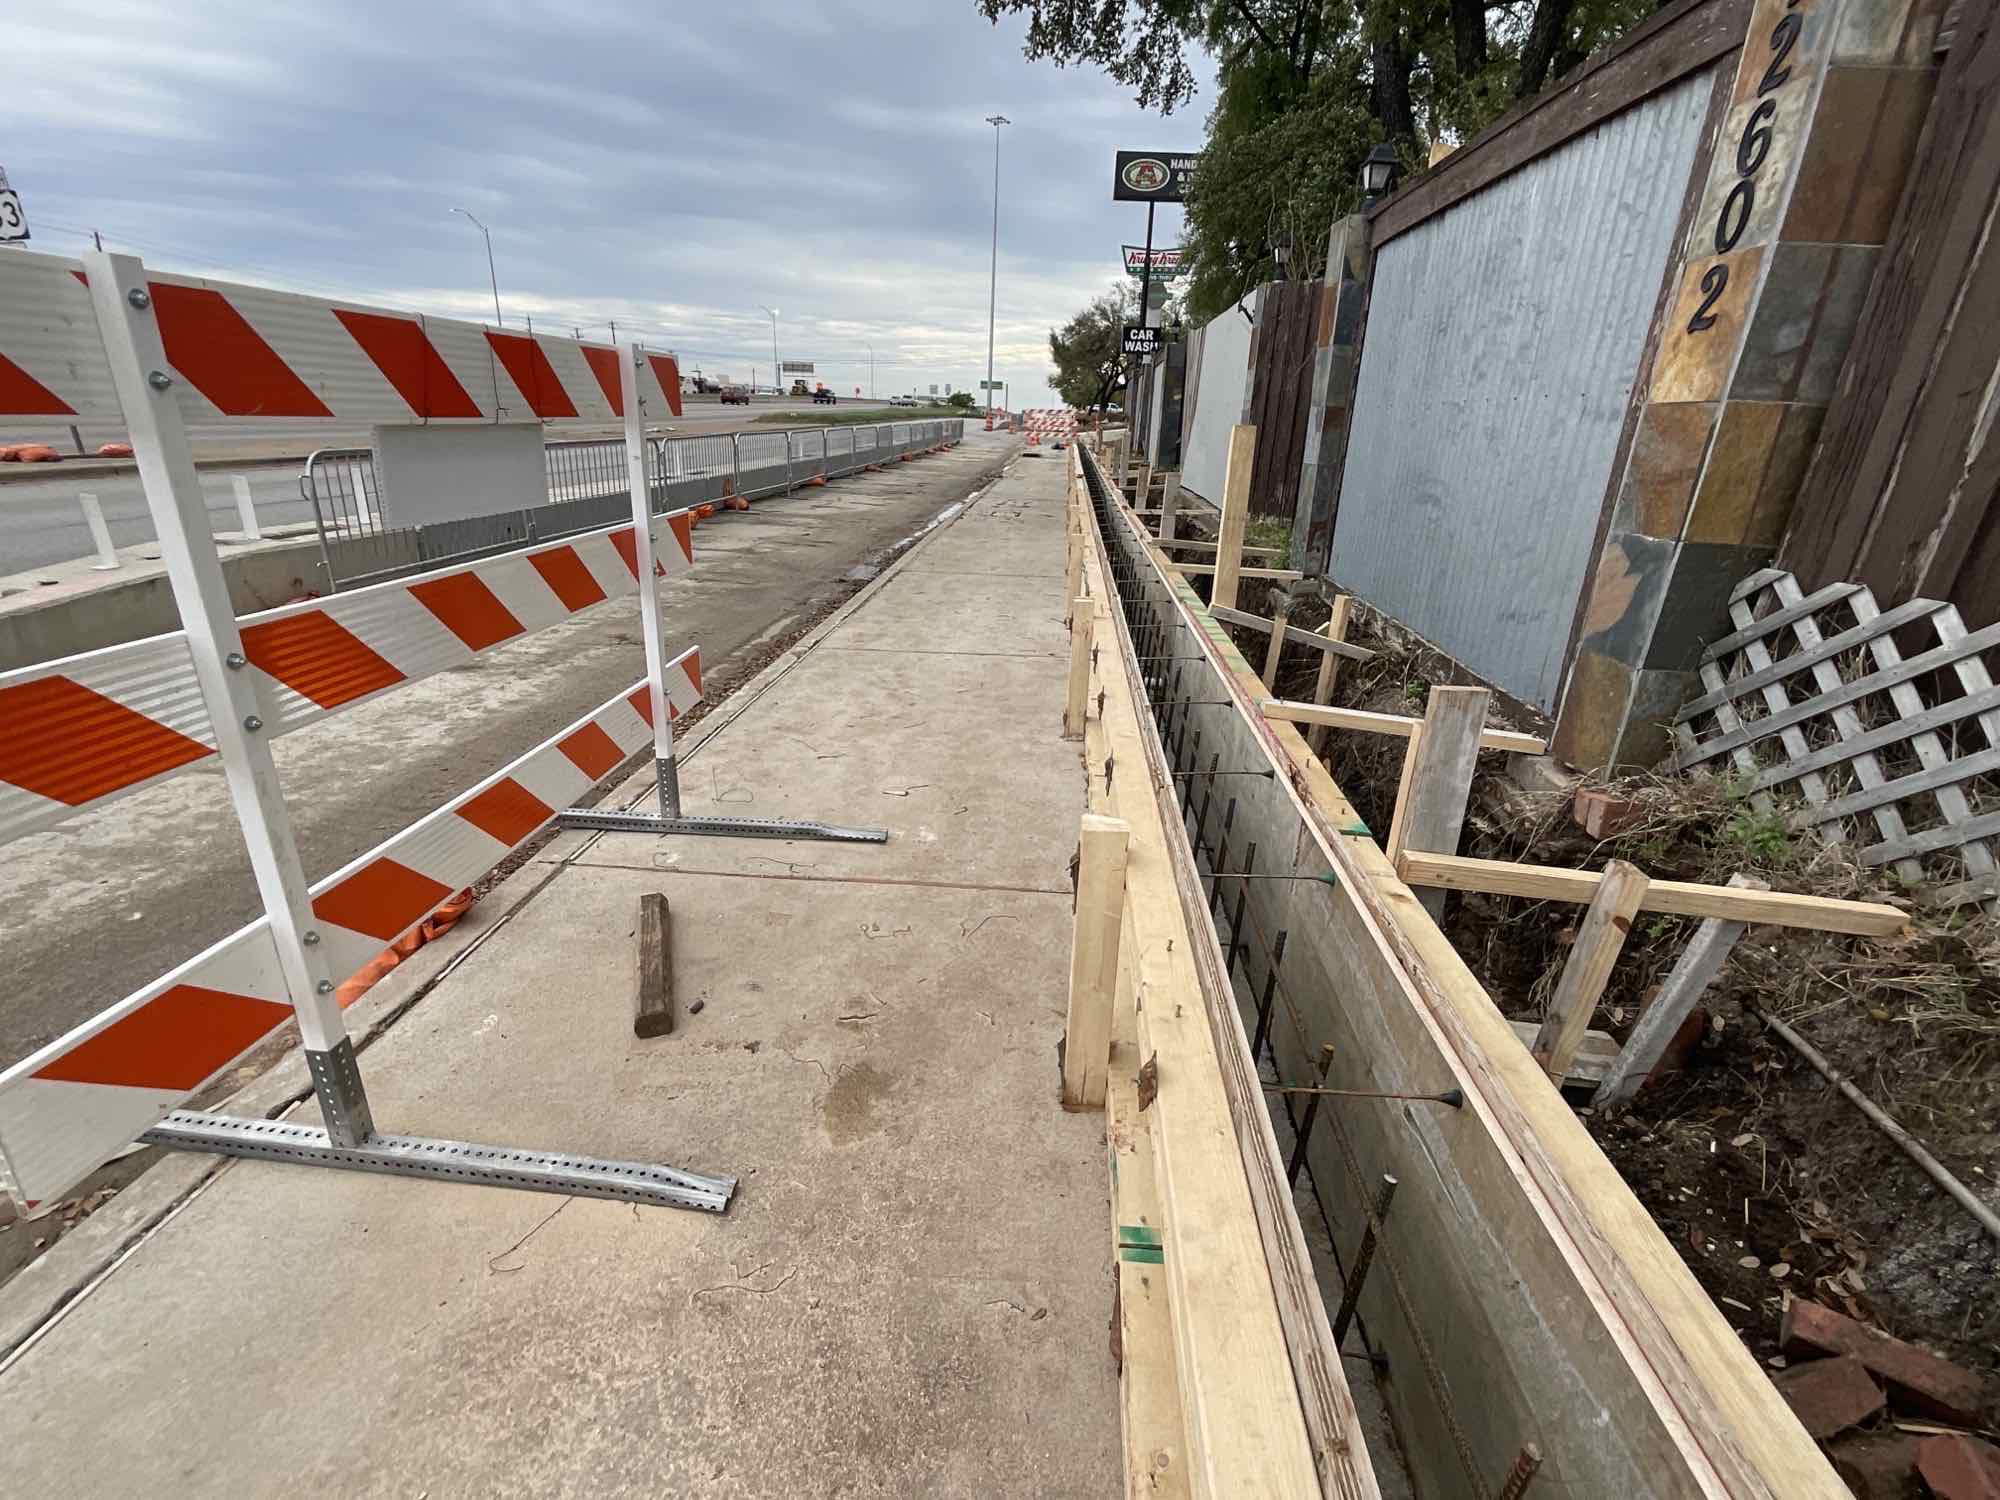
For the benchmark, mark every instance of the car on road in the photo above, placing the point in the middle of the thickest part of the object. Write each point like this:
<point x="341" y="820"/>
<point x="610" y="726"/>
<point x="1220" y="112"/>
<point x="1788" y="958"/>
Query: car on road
<point x="823" y="397"/>
<point x="735" y="395"/>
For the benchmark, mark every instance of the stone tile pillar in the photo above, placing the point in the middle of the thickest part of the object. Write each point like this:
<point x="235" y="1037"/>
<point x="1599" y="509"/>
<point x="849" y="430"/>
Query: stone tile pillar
<point x="1821" y="120"/>
<point x="1343" y="308"/>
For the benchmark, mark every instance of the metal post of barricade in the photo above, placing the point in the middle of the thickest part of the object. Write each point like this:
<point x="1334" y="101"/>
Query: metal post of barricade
<point x="672" y="819"/>
<point x="735" y="464"/>
<point x="141" y="375"/>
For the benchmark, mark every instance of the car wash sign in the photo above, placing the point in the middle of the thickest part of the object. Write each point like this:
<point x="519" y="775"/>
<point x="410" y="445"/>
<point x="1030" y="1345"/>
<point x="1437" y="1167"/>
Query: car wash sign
<point x="1151" y="176"/>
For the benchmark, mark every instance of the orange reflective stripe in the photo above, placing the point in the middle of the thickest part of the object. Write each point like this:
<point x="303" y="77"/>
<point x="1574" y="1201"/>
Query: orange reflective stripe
<point x="470" y="610"/>
<point x="175" y="1041"/>
<point x="563" y="571"/>
<point x="506" y="811"/>
<point x="318" y="658"/>
<point x="73" y="745"/>
<point x="380" y="899"/>
<point x="592" y="751"/>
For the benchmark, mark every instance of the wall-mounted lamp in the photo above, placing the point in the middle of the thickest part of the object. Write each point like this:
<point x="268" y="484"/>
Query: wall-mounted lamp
<point x="1378" y="170"/>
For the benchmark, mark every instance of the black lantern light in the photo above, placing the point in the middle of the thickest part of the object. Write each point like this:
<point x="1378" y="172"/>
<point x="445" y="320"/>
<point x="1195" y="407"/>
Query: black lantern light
<point x="1378" y="170"/>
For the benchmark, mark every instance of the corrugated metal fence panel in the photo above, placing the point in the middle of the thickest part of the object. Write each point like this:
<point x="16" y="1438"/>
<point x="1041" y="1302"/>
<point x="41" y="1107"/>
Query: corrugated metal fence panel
<point x="1225" y="376"/>
<point x="1503" y="339"/>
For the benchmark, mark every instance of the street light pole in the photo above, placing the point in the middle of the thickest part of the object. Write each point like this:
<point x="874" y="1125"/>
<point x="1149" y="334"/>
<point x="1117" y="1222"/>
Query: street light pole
<point x="871" y="372"/>
<point x="492" y="279"/>
<point x="777" y="373"/>
<point x="993" y="275"/>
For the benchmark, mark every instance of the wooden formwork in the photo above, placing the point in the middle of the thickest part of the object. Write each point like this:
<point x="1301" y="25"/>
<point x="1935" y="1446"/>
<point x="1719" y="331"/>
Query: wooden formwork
<point x="1521" y="1297"/>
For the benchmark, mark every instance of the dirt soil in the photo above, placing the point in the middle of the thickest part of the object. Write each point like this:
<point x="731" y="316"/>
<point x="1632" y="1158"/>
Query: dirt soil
<point x="1767" y="1180"/>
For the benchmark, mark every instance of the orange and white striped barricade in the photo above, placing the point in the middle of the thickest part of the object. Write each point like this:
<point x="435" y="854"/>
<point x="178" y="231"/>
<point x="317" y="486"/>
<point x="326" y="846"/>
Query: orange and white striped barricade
<point x="156" y="352"/>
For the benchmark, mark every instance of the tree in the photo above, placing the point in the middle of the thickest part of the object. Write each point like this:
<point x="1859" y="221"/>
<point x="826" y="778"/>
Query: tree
<point x="1306" y="88"/>
<point x="960" y="399"/>
<point x="1089" y="365"/>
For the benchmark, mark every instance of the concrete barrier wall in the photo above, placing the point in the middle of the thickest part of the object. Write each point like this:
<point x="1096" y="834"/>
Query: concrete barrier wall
<point x="111" y="612"/>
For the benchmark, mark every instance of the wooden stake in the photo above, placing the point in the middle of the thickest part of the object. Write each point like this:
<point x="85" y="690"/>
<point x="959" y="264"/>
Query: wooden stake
<point x="1235" y="513"/>
<point x="1170" y="504"/>
<point x="1093" y="959"/>
<point x="1335" y="629"/>
<point x="1430" y="809"/>
<point x="1073" y="568"/>
<point x="654" y="1013"/>
<point x="1598" y="942"/>
<point x="1074" y="711"/>
<point x="1660" y="1022"/>
<point x="1276" y="652"/>
<point x="1399" y="821"/>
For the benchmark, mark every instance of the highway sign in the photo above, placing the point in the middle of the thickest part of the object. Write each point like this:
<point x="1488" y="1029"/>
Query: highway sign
<point x="13" y="219"/>
<point x="1151" y="176"/>
<point x="1141" y="340"/>
<point x="797" y="367"/>
<point x="992" y="385"/>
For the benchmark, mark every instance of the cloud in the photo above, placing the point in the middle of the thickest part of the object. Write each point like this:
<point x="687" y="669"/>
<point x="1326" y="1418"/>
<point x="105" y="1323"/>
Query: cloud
<point x="672" y="168"/>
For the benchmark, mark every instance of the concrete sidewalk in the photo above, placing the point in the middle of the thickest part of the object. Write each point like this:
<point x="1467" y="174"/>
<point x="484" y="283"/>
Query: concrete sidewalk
<point x="910" y="1294"/>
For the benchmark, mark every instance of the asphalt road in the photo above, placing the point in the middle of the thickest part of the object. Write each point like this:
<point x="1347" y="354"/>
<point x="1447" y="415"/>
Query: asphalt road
<point x="41" y="521"/>
<point x="95" y="908"/>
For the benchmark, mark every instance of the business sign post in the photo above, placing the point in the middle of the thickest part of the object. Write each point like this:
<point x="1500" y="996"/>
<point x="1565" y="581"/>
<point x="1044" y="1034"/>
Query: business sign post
<point x="1151" y="178"/>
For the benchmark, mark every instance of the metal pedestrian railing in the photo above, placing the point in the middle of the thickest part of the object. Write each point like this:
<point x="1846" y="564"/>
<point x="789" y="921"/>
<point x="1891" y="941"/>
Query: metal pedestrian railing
<point x="361" y="541"/>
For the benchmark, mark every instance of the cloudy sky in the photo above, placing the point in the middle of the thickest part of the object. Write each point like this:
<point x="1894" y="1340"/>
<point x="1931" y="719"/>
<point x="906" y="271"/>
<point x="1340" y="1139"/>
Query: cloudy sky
<point x="672" y="167"/>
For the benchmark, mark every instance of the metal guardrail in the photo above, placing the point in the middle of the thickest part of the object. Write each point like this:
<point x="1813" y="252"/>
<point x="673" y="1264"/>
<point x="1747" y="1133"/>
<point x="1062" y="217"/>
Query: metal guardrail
<point x="358" y="545"/>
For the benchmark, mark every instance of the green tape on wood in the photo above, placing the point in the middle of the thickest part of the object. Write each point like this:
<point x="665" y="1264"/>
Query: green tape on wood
<point x="1357" y="829"/>
<point x="1144" y="1254"/>
<point x="1137" y="1234"/>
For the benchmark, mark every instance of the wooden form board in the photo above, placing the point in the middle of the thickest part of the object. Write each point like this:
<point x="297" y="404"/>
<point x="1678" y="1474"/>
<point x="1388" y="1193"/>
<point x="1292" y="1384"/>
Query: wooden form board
<point x="1265" y="1405"/>
<point x="1679" y="898"/>
<point x="1535" y="1283"/>
<point x="1369" y="722"/>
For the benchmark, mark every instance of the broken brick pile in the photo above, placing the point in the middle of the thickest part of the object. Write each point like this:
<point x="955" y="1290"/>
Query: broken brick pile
<point x="1847" y="1383"/>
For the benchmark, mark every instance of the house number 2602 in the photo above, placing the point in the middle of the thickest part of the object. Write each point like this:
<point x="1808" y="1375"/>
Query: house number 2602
<point x="1751" y="150"/>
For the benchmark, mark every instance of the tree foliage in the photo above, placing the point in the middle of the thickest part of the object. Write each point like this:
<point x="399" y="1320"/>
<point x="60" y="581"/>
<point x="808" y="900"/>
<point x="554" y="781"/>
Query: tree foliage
<point x="1306" y="87"/>
<point x="1089" y="367"/>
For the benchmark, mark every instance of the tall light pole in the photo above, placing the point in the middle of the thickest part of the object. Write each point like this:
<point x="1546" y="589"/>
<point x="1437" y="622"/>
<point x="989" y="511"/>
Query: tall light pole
<point x="492" y="279"/>
<point x="993" y="276"/>
<point x="871" y="372"/>
<point x="777" y="375"/>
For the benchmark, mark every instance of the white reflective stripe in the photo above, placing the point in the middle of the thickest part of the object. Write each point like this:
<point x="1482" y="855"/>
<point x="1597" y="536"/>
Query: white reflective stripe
<point x="516" y="584"/>
<point x="552" y="780"/>
<point x="49" y="1131"/>
<point x="450" y="851"/>
<point x="682" y="693"/>
<point x="573" y="370"/>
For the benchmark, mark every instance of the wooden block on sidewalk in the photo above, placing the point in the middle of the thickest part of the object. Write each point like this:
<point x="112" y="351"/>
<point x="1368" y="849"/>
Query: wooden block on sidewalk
<point x="654" y="1012"/>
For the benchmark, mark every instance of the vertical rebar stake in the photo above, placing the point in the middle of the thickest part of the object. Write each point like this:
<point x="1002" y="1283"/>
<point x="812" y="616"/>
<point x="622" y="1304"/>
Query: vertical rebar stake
<point x="1270" y="994"/>
<point x="1526" y="1462"/>
<point x="1350" y="1294"/>
<point x="1306" y="1125"/>
<point x="1242" y="900"/>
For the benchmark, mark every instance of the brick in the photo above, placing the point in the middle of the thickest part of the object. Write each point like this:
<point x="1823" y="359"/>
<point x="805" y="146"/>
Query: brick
<point x="1830" y="1395"/>
<point x="1877" y="1465"/>
<point x="1959" y="1466"/>
<point x="1602" y="813"/>
<point x="1919" y="1383"/>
